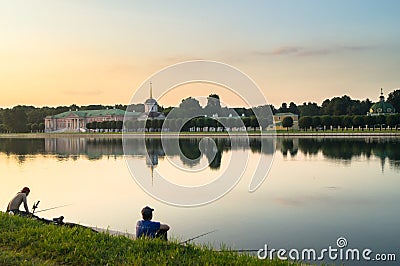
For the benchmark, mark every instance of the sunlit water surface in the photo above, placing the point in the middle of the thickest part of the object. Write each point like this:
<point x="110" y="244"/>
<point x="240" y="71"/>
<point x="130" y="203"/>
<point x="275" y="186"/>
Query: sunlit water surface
<point x="317" y="190"/>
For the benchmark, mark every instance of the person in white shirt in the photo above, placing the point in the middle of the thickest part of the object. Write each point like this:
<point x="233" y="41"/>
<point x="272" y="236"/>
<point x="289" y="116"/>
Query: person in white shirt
<point x="16" y="202"/>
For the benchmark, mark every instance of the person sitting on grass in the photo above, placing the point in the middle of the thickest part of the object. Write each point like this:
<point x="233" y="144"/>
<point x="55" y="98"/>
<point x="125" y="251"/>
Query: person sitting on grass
<point x="148" y="228"/>
<point x="14" y="204"/>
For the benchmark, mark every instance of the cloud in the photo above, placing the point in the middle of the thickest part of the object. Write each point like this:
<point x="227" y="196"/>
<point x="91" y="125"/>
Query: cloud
<point x="312" y="51"/>
<point x="286" y="50"/>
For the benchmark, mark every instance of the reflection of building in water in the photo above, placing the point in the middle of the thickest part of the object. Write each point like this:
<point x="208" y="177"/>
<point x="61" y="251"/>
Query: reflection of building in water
<point x="152" y="162"/>
<point x="152" y="150"/>
<point x="93" y="148"/>
<point x="65" y="145"/>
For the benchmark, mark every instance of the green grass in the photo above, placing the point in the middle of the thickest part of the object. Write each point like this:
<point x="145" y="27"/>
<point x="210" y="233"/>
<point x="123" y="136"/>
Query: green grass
<point x="24" y="241"/>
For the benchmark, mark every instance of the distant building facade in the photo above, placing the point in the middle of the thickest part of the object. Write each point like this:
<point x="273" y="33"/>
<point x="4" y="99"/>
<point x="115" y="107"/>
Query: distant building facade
<point x="151" y="109"/>
<point x="278" y="118"/>
<point x="76" y="121"/>
<point x="382" y="107"/>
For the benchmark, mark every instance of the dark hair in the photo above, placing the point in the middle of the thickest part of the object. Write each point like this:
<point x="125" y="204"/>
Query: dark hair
<point x="147" y="215"/>
<point x="25" y="190"/>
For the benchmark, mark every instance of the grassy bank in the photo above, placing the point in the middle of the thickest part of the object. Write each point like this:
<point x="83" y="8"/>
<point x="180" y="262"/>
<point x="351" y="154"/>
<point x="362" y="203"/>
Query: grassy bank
<point x="25" y="241"/>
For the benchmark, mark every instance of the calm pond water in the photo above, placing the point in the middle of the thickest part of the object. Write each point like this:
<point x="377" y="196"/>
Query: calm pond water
<point x="318" y="189"/>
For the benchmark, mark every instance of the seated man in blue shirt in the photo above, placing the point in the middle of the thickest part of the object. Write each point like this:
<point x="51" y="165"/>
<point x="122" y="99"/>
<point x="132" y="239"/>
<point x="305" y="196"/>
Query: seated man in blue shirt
<point x="148" y="228"/>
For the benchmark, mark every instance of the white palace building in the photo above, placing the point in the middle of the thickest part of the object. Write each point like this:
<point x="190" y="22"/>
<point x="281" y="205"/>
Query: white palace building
<point x="76" y="121"/>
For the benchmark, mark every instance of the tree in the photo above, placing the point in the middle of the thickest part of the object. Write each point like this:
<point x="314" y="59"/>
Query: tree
<point x="283" y="108"/>
<point x="95" y="125"/>
<point x="310" y="109"/>
<point x="305" y="122"/>
<point x="358" y="121"/>
<point x="392" y="121"/>
<point x="199" y="122"/>
<point x="293" y="108"/>
<point x="287" y="122"/>
<point x="3" y="128"/>
<point x="34" y="127"/>
<point x="15" y="120"/>
<point x="213" y="105"/>
<point x="224" y="123"/>
<point x="326" y="121"/>
<point x="381" y="120"/>
<point x="336" y="121"/>
<point x="113" y="125"/>
<point x="394" y="99"/>
<point x="119" y="125"/>
<point x="254" y="122"/>
<point x="178" y="124"/>
<point x="246" y="122"/>
<point x="264" y="122"/>
<point x="347" y="121"/>
<point x="41" y="127"/>
<point x="370" y="121"/>
<point x="316" y="122"/>
<point x="208" y="122"/>
<point x="190" y="107"/>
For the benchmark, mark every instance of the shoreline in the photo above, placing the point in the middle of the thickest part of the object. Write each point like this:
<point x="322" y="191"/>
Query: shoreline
<point x="198" y="134"/>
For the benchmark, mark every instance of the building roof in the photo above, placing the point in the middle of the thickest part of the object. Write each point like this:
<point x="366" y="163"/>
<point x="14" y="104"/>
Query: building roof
<point x="94" y="113"/>
<point x="284" y="114"/>
<point x="382" y="107"/>
<point x="150" y="101"/>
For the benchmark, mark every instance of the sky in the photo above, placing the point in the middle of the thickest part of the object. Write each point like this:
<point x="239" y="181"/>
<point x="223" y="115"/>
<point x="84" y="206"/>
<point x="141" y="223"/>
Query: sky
<point x="100" y="52"/>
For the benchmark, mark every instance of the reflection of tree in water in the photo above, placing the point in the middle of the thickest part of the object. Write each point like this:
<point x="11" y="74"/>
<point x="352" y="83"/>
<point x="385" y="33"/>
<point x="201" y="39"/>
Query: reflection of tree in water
<point x="347" y="149"/>
<point x="96" y="148"/>
<point x="215" y="164"/>
<point x="309" y="146"/>
<point x="264" y="146"/>
<point x="22" y="146"/>
<point x="287" y="145"/>
<point x="190" y="152"/>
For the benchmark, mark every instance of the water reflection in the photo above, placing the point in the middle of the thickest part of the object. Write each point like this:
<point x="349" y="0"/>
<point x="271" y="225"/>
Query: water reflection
<point x="345" y="149"/>
<point x="338" y="149"/>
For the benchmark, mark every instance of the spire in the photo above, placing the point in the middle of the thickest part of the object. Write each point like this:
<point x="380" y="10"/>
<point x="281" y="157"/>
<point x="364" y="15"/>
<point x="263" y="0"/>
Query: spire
<point x="382" y="98"/>
<point x="151" y="91"/>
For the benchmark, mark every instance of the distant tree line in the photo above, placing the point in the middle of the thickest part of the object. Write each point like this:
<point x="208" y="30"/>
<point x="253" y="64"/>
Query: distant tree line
<point x="343" y="112"/>
<point x="197" y="124"/>
<point x="21" y="118"/>
<point x="361" y="122"/>
<point x="336" y="106"/>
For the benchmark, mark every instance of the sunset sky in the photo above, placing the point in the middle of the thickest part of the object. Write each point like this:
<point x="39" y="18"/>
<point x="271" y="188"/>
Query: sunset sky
<point x="99" y="52"/>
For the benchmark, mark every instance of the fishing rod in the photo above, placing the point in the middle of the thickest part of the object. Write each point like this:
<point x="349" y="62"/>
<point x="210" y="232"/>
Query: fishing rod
<point x="54" y="208"/>
<point x="239" y="250"/>
<point x="193" y="238"/>
<point x="35" y="206"/>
